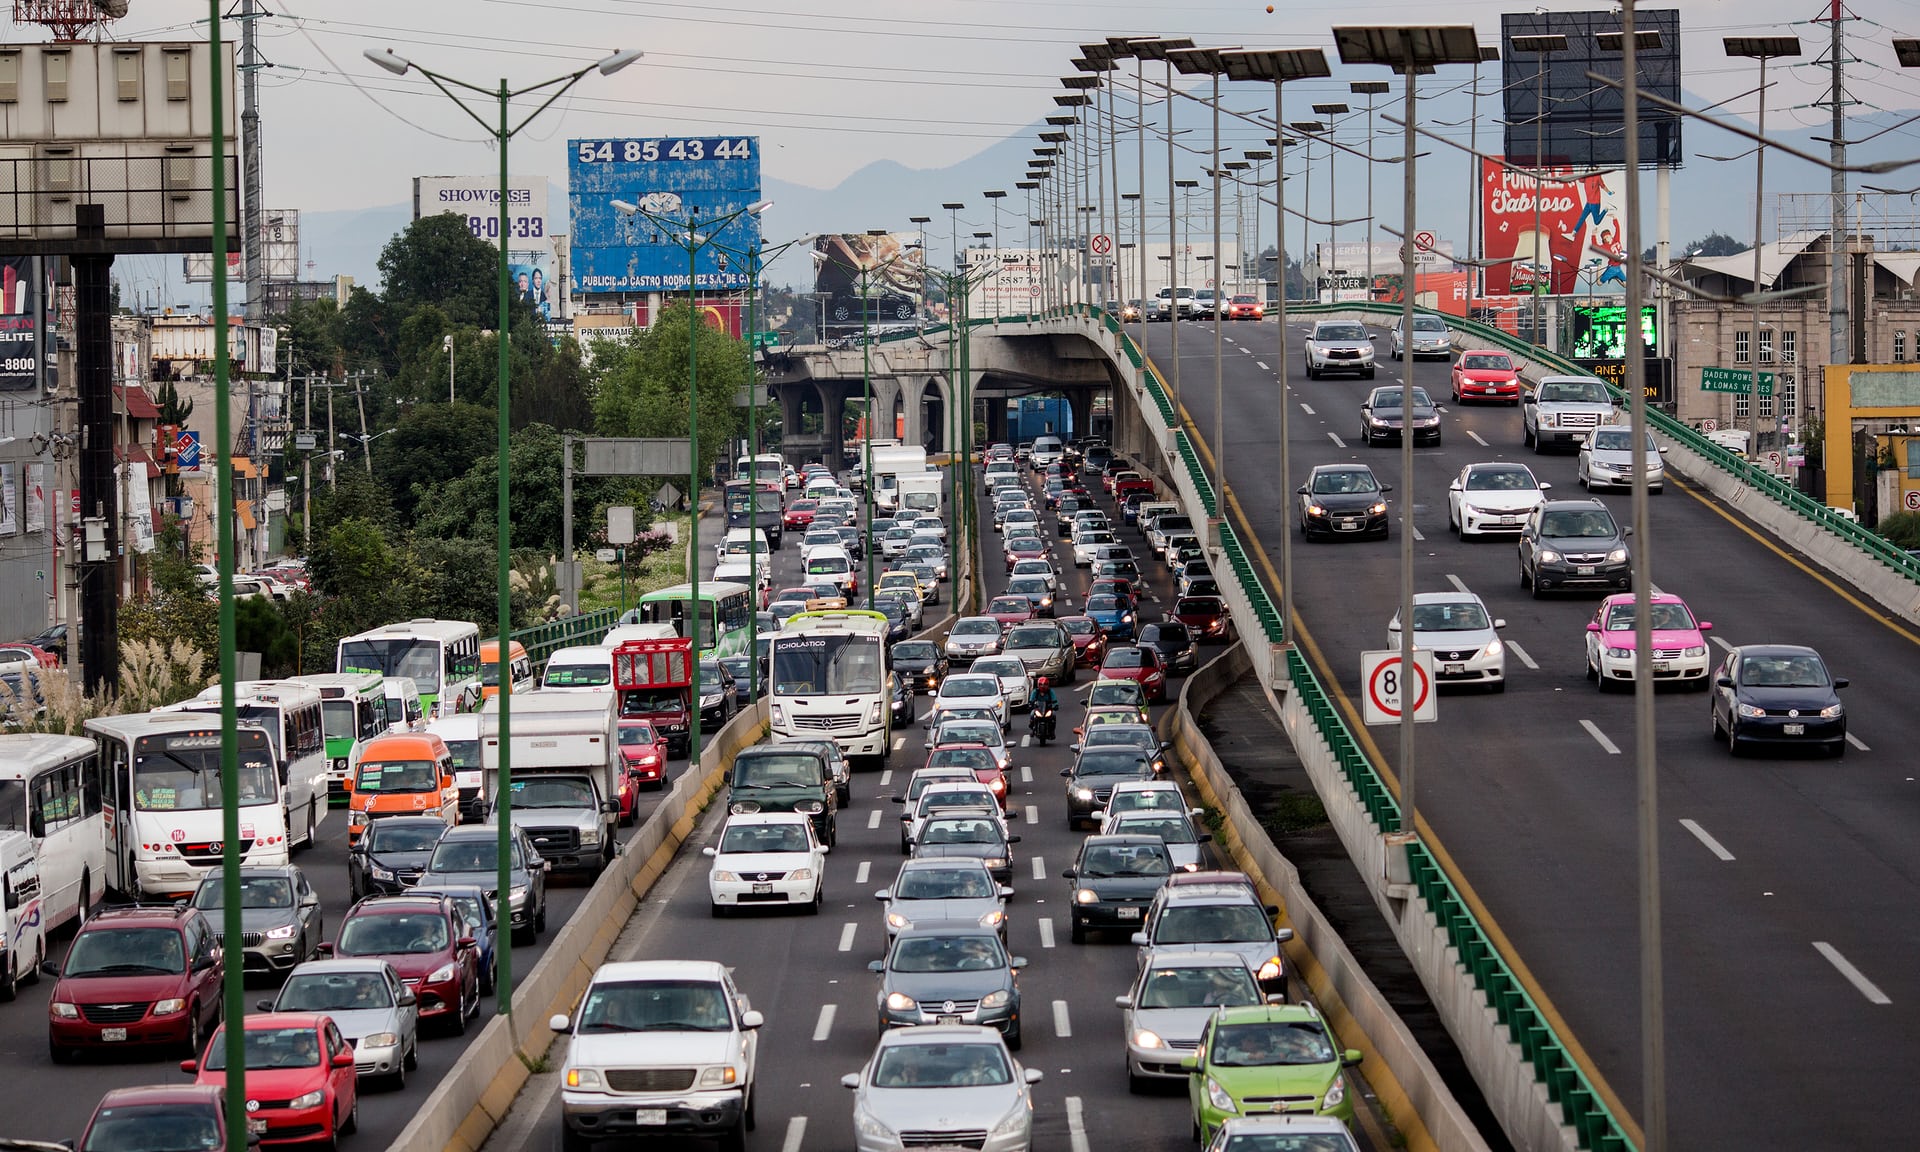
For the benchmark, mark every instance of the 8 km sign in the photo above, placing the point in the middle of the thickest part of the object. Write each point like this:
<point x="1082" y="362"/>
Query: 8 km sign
<point x="1384" y="684"/>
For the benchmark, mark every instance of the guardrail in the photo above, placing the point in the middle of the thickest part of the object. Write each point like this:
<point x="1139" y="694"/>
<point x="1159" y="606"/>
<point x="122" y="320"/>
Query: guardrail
<point x="543" y="640"/>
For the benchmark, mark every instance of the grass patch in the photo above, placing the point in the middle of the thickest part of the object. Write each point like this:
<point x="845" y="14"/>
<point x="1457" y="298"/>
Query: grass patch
<point x="600" y="585"/>
<point x="1293" y="812"/>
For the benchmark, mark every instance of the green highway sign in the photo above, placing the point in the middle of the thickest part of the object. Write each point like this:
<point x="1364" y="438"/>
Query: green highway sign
<point x="766" y="341"/>
<point x="1738" y="380"/>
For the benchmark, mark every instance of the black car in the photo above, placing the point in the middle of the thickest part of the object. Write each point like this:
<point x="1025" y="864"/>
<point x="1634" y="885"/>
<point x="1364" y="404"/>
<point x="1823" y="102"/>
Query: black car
<point x="1113" y="879"/>
<point x="899" y="624"/>
<point x="470" y="856"/>
<point x="1170" y="638"/>
<point x="1091" y="779"/>
<point x="716" y="695"/>
<point x="1570" y="545"/>
<point x="738" y="666"/>
<point x="902" y="695"/>
<point x="854" y="540"/>
<point x="1385" y="413"/>
<point x="968" y="834"/>
<point x="52" y="640"/>
<point x="1343" y="500"/>
<point x="1778" y="695"/>
<point x="922" y="663"/>
<point x="1069" y="507"/>
<point x="280" y="919"/>
<point x="391" y="854"/>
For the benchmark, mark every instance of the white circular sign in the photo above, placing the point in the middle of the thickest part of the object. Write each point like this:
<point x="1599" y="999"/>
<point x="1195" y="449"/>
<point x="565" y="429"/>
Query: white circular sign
<point x="1102" y="244"/>
<point x="1773" y="460"/>
<point x="1913" y="500"/>
<point x="1709" y="425"/>
<point x="1383" y="687"/>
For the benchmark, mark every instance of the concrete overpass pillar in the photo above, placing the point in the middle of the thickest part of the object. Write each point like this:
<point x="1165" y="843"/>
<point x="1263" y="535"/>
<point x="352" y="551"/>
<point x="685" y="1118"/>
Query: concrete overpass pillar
<point x="886" y="394"/>
<point x="913" y="400"/>
<point x="792" y="409"/>
<point x="833" y="404"/>
<point x="1080" y="403"/>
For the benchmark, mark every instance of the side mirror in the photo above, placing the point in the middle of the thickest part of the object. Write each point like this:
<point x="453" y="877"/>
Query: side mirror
<point x="896" y="799"/>
<point x="1033" y="1075"/>
<point x="1302" y="490"/>
<point x="408" y="998"/>
<point x="558" y="1022"/>
<point x="1723" y="681"/>
<point x="1190" y="1063"/>
<point x="1016" y="839"/>
<point x="1840" y="682"/>
<point x="263" y="1005"/>
<point x="324" y="948"/>
<point x="751" y="1020"/>
<point x="1629" y="531"/>
<point x="1019" y="962"/>
<point x="190" y="1067"/>
<point x="1067" y="771"/>
<point x="1282" y="935"/>
<point x="1124" y="1000"/>
<point x="203" y="963"/>
<point x="1351" y="1057"/>
<point x="850" y="1080"/>
<point x="1499" y="623"/>
<point x="1069" y="873"/>
<point x="1204" y="838"/>
<point x="343" y="1059"/>
<point x="726" y="778"/>
<point x="709" y="852"/>
<point x="883" y="894"/>
<point x="1619" y="401"/>
<point x="876" y="965"/>
<point x="1706" y="626"/>
<point x="1006" y="892"/>
<point x="1593" y="626"/>
<point x="1139" y="938"/>
<point x="1385" y="488"/>
<point x="50" y="968"/>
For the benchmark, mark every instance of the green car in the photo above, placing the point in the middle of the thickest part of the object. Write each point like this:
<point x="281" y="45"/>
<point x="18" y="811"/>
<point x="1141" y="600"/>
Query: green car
<point x="1268" y="1058"/>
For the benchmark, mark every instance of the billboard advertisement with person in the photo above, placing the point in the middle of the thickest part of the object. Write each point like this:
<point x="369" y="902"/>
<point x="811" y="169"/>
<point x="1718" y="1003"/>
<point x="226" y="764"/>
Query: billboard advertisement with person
<point x="19" y="324"/>
<point x="675" y="183"/>
<point x="868" y="279"/>
<point x="1576" y="213"/>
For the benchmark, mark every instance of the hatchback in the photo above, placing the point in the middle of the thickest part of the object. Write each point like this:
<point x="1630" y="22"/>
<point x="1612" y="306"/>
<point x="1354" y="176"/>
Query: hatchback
<point x="300" y="1078"/>
<point x="950" y="975"/>
<point x="1778" y="695"/>
<point x="938" y="1086"/>
<point x="1138" y="663"/>
<point x="1679" y="642"/>
<point x="428" y="941"/>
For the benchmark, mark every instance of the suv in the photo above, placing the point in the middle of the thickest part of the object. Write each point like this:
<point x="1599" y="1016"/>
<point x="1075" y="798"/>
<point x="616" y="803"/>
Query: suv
<point x="470" y="855"/>
<point x="1574" y="544"/>
<point x="1339" y="346"/>
<point x="1563" y="409"/>
<point x="428" y="941"/>
<point x="1217" y="917"/>
<point x="140" y="975"/>
<point x="659" y="1046"/>
<point x="785" y="778"/>
<point x="1113" y="879"/>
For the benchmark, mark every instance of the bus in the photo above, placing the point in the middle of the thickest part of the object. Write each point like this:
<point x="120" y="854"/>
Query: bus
<point x="50" y="789"/>
<point x="353" y="710"/>
<point x="762" y="505"/>
<point x="441" y="656"/>
<point x="829" y="679"/>
<point x="164" y="800"/>
<point x="290" y="714"/>
<point x="725" y="610"/>
<point x="767" y="467"/>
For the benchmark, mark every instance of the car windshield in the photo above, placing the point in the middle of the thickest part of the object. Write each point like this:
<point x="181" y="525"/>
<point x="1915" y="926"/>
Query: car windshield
<point x="1340" y="332"/>
<point x="1594" y="525"/>
<point x="776" y="770"/>
<point x="1500" y="480"/>
<point x="552" y="793"/>
<point x="1196" y="606"/>
<point x="1101" y="860"/>
<point x="1125" y="658"/>
<point x="393" y="934"/>
<point x="961" y="830"/>
<point x="937" y="798"/>
<point x="1342" y="481"/>
<point x="1487" y="362"/>
<point x="637" y="735"/>
<point x="656" y="1006"/>
<point x="1033" y="638"/>
<point x="916" y="650"/>
<point x="941" y="1066"/>
<point x="642" y="701"/>
<point x="968" y="732"/>
<point x="471" y="854"/>
<point x="1783" y="672"/>
<point x="269" y="1048"/>
<point x="1213" y="924"/>
<point x="945" y="884"/>
<point x="1079" y="626"/>
<point x="334" y="992"/>
<point x="1120" y="735"/>
<point x="1174" y="829"/>
<point x="1620" y="440"/>
<point x="1429" y="324"/>
<point x="1390" y="398"/>
<point x="1573" y="392"/>
<point x="972" y="759"/>
<point x="947" y="954"/>
<point x="1139" y="799"/>
<point x="1459" y="616"/>
<point x="1123" y="693"/>
<point x="976" y="626"/>
<point x="154" y="1128"/>
<point x="969" y="686"/>
<point x="396" y="776"/>
<point x="1028" y="585"/>
<point x="1211" y="986"/>
<point x="1665" y="617"/>
<point x="1000" y="666"/>
<point x="390" y="836"/>
<point x="1264" y="1044"/>
<point x="765" y="838"/>
<point x="126" y="952"/>
<point x="1105" y="602"/>
<point x="1115" y="762"/>
<point x="255" y="892"/>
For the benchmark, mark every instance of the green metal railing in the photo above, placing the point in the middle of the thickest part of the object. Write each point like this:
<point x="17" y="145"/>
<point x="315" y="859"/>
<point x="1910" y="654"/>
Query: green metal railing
<point x="543" y="640"/>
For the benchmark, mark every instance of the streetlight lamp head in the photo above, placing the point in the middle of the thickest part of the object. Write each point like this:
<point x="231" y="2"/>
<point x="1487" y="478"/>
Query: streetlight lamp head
<point x="625" y="208"/>
<point x="876" y="231"/>
<point x="618" y="61"/>
<point x="758" y="206"/>
<point x="398" y="65"/>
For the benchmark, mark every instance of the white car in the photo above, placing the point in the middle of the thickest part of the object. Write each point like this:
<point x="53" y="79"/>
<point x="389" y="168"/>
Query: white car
<point x="939" y="799"/>
<point x="942" y="1084"/>
<point x="1606" y="460"/>
<point x="1015" y="684"/>
<point x="1041" y="568"/>
<point x="972" y="637"/>
<point x="1457" y="629"/>
<point x="767" y="858"/>
<point x="982" y="732"/>
<point x="970" y="690"/>
<point x="1088" y="542"/>
<point x="738" y="542"/>
<point x="1339" y="346"/>
<point x="1175" y="829"/>
<point x="1145" y="795"/>
<point x="1493" y="496"/>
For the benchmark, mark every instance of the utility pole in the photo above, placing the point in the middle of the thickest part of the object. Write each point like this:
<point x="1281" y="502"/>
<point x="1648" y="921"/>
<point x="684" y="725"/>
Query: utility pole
<point x="1837" y="350"/>
<point x="366" y="442"/>
<point x="250" y="66"/>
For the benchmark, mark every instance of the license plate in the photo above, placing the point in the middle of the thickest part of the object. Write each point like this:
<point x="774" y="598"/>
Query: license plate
<point x="112" y="1035"/>
<point x="955" y="1019"/>
<point x="650" y="1116"/>
<point x="256" y="1127"/>
<point x="1509" y="519"/>
<point x="1583" y="570"/>
<point x="1452" y="669"/>
<point x="762" y="889"/>
<point x="1663" y="665"/>
<point x="1794" y="729"/>
<point x="1349" y="525"/>
<point x="1129" y="913"/>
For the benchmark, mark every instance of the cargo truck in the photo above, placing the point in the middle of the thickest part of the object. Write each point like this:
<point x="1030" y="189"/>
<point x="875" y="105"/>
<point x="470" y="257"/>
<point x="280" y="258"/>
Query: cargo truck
<point x="564" y="773"/>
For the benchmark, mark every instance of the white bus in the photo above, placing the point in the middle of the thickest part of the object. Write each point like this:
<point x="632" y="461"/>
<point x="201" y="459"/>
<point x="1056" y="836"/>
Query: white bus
<point x="50" y="789"/>
<point x="767" y="466"/>
<point x="164" y="800"/>
<point x="441" y="656"/>
<point x="290" y="713"/>
<point x="829" y="680"/>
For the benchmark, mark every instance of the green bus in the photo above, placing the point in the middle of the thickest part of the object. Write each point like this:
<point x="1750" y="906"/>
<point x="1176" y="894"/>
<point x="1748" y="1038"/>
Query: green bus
<point x="442" y="657"/>
<point x="353" y="710"/>
<point x="725" y="611"/>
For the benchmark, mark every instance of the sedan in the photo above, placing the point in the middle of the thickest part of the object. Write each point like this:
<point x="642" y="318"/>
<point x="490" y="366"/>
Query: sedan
<point x="1140" y="664"/>
<point x="1455" y="627"/>
<point x="1178" y="652"/>
<point x="1112" y="880"/>
<point x="392" y="854"/>
<point x="944" y="892"/>
<point x="1485" y="374"/>
<point x="300" y="1063"/>
<point x="950" y="975"/>
<point x="972" y="637"/>
<point x="1010" y="610"/>
<point x="1430" y="338"/>
<point x="1086" y="542"/>
<point x="1015" y="684"/>
<point x="1778" y="695"/>
<point x="1493" y="497"/>
<point x="967" y="733"/>
<point x="1042" y="568"/>
<point x="921" y="661"/>
<point x="1037" y="590"/>
<point x="1246" y="308"/>
<point x="1089" y="642"/>
<point x="1679" y="642"/>
<point x="280" y="918"/>
<point x="1384" y="415"/>
<point x="799" y="515"/>
<point x="1606" y="460"/>
<point x="1343" y="500"/>
<point x="1112" y="613"/>
<point x="901" y="695"/>
<point x="980" y="759"/>
<point x="767" y="859"/>
<point x="1027" y="547"/>
<point x="1175" y="829"/>
<point x="1206" y="617"/>
<point x="960" y="835"/>
<point x="1169" y="1005"/>
<point x="962" y="1075"/>
<point x="373" y="1007"/>
<point x="969" y="690"/>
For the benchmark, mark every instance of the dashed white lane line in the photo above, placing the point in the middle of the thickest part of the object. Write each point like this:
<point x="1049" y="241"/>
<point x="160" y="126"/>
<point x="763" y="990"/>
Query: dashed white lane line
<point x="1593" y="730"/>
<point x="1026" y="770"/>
<point x="1857" y="743"/>
<point x="1475" y="437"/>
<point x="1706" y="837"/>
<point x="899" y="742"/>
<point x="796" y="1132"/>
<point x="1520" y="654"/>
<point x="1307" y="408"/>
<point x="846" y="935"/>
<point x="861" y="873"/>
<point x="873" y="819"/>
<point x="1033" y="814"/>
<point x="1459" y="585"/>
<point x="1024" y="740"/>
<point x="1336" y="440"/>
<point x="886" y="774"/>
<point x="1039" y="868"/>
<point x="1062" y="1025"/>
<point x="1076" y="1125"/>
<point x="1416" y="532"/>
<point x="1724" y="646"/>
<point x="1854" y="976"/>
<point x="1046" y="931"/>
<point x="824" y="1026"/>
<point x="1262" y="365"/>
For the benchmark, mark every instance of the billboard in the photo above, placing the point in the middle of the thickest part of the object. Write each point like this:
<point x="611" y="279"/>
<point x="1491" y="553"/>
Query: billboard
<point x="1575" y="216"/>
<point x="279" y="251"/>
<point x="476" y="199"/>
<point x="888" y="270"/>
<point x="1576" y="121"/>
<point x="1014" y="290"/>
<point x="19" y="324"/>
<point x="676" y="181"/>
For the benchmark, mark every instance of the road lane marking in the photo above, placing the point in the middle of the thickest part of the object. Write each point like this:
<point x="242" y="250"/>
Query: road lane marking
<point x="1033" y="814"/>
<point x="1024" y="740"/>
<point x="1856" y="742"/>
<point x="1520" y="654"/>
<point x="1026" y="770"/>
<point x="1705" y="837"/>
<point x="899" y="742"/>
<point x="796" y="1132"/>
<point x="1307" y="408"/>
<point x="861" y="874"/>
<point x="1416" y="531"/>
<point x="1723" y="644"/>
<point x="1262" y="365"/>
<point x="824" y="1026"/>
<point x="1046" y="932"/>
<point x="1854" y="976"/>
<point x="1475" y="437"/>
<point x="1593" y="730"/>
<point x="1459" y="585"/>
<point x="886" y="774"/>
<point x="846" y="935"/>
<point x="873" y="819"/>
<point x="1039" y="868"/>
<point x="1062" y="1026"/>
<point x="1339" y="443"/>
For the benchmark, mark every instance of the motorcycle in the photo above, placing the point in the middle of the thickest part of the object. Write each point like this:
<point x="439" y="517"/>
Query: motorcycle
<point x="1040" y="723"/>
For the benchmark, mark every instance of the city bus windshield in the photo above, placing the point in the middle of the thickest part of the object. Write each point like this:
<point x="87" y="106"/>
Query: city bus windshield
<point x="170" y="778"/>
<point x="832" y="665"/>
<point x="412" y="657"/>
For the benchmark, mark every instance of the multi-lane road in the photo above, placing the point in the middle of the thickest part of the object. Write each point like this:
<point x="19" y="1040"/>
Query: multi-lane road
<point x="1791" y="886"/>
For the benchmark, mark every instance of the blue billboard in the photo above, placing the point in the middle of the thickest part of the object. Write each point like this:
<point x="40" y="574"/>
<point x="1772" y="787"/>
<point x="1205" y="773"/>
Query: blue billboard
<point x="674" y="180"/>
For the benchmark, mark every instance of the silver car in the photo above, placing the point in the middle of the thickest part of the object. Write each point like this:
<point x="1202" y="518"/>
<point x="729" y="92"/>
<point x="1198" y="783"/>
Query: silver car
<point x="1430" y="338"/>
<point x="1169" y="1006"/>
<point x="973" y="637"/>
<point x="1339" y="346"/>
<point x="376" y="1011"/>
<point x="942" y="1086"/>
<point x="1458" y="630"/>
<point x="1606" y="460"/>
<point x="944" y="892"/>
<point x="1175" y="829"/>
<point x="1044" y="648"/>
<point x="1015" y="684"/>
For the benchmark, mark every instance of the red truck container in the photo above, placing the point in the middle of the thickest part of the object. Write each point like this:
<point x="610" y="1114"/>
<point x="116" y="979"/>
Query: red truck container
<point x="654" y="679"/>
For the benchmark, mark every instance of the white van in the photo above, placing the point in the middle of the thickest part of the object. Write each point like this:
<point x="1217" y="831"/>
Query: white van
<point x="404" y="711"/>
<point x="737" y="542"/>
<point x="738" y="571"/>
<point x="832" y="565"/>
<point x="1046" y="450"/>
<point x="462" y="736"/>
<point x="587" y="668"/>
<point x="22" y="929"/>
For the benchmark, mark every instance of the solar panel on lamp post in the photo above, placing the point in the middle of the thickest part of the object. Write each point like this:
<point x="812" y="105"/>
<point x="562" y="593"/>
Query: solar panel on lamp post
<point x="1309" y="129"/>
<point x="1331" y="111"/>
<point x="1370" y="89"/>
<point x="1541" y="46"/>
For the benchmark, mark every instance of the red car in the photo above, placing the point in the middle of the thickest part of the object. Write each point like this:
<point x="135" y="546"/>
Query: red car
<point x="976" y="758"/>
<point x="1089" y="643"/>
<point x="1141" y="665"/>
<point x="1025" y="548"/>
<point x="799" y="515"/>
<point x="159" y="1116"/>
<point x="22" y="652"/>
<point x="1246" y="308"/>
<point x="1137" y="483"/>
<point x="1111" y="586"/>
<point x="1485" y="374"/>
<point x="1205" y="616"/>
<point x="299" y="1074"/>
<point x="133" y="976"/>
<point x="645" y="751"/>
<point x="428" y="942"/>
<point x="1010" y="610"/>
<point x="1109" y="479"/>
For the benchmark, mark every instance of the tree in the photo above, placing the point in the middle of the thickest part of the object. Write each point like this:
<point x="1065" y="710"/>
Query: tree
<point x="353" y="495"/>
<point x="644" y="393"/>
<point x="1712" y="244"/>
<point x="259" y="627"/>
<point x="464" y="507"/>
<point x="438" y="260"/>
<point x="432" y="444"/>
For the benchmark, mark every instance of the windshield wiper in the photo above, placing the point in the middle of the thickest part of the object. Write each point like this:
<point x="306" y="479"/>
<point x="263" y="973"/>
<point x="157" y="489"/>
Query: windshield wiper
<point x="123" y="968"/>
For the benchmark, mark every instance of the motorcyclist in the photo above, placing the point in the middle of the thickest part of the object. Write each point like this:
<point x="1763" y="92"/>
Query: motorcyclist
<point x="1044" y="704"/>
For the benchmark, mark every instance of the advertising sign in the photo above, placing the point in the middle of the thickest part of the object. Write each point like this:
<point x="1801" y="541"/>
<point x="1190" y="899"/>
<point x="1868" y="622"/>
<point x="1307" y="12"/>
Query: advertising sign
<point x="36" y="497"/>
<point x="1014" y="290"/>
<point x="187" y="450"/>
<point x="1574" y="214"/>
<point x="19" y="324"/>
<point x="9" y="501"/>
<point x="675" y="182"/>
<point x="868" y="279"/>
<point x="476" y="199"/>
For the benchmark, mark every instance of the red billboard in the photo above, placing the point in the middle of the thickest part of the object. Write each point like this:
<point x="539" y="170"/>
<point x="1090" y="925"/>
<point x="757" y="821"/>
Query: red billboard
<point x="1574" y="216"/>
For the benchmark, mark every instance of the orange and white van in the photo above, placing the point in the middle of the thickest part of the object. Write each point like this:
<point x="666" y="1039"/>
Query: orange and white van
<point x="519" y="668"/>
<point x="402" y="774"/>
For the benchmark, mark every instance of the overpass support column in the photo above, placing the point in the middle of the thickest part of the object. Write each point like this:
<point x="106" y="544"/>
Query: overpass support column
<point x="1080" y="403"/>
<point x="913" y="392"/>
<point x="833" y="407"/>
<point x="886" y="394"/>
<point x="791" y="409"/>
<point x="995" y="417"/>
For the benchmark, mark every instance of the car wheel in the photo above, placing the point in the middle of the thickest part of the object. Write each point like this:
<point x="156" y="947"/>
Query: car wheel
<point x="819" y="899"/>
<point x="1369" y="374"/>
<point x="490" y="978"/>
<point x="1013" y="1037"/>
<point x="10" y="981"/>
<point x="734" y="1139"/>
<point x="719" y="911"/>
<point x="459" y="1025"/>
<point x="1137" y="1085"/>
<point x="540" y="916"/>
<point x="1592" y="672"/>
<point x="1525" y="580"/>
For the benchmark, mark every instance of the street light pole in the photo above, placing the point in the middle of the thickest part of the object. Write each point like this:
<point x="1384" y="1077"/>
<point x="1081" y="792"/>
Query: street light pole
<point x="1760" y="48"/>
<point x="1370" y="89"/>
<point x="1542" y="46"/>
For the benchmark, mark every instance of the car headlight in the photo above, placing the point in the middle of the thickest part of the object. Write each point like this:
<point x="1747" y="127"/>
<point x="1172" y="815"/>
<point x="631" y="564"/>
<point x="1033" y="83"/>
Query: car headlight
<point x="725" y="877"/>
<point x="582" y="1078"/>
<point x="1219" y="1097"/>
<point x="1316" y="510"/>
<point x="1427" y="422"/>
<point x="380" y="1040"/>
<point x="995" y="861"/>
<point x="898" y="922"/>
<point x="1617" y="556"/>
<point x="1146" y="1038"/>
<point x="800" y="874"/>
<point x="998" y="998"/>
<point x="900" y="1002"/>
<point x="169" y="1006"/>
<point x="872" y="1129"/>
<point x="1830" y="711"/>
<point x="64" y="1011"/>
<point x="284" y="932"/>
<point x="1014" y="1120"/>
<point x="1376" y="508"/>
<point x="776" y="714"/>
<point x="1493" y="648"/>
<point x="357" y="819"/>
<point x="1749" y="711"/>
<point x="1695" y="650"/>
<point x="307" y="1099"/>
<point x="1083" y="793"/>
<point x="379" y="873"/>
<point x="719" y="1075"/>
<point x="589" y="837"/>
<point x="1085" y="896"/>
<point x="810" y="807"/>
<point x="517" y="892"/>
<point x="340" y="765"/>
<point x="993" y="919"/>
<point x="1619" y="653"/>
<point x="444" y="972"/>
<point x="1548" y="556"/>
<point x="1337" y="1094"/>
<point x="1270" y="971"/>
<point x="744" y="807"/>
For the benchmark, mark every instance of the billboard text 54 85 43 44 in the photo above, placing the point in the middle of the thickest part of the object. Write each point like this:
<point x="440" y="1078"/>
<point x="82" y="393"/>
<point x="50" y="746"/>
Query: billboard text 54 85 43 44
<point x="676" y="182"/>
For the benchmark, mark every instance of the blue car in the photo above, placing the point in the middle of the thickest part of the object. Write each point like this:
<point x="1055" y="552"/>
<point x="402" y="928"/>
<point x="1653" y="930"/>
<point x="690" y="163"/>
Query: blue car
<point x="1113" y="613"/>
<point x="478" y="910"/>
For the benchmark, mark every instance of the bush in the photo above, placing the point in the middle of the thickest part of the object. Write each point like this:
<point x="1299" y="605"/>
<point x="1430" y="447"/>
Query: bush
<point x="1902" y="528"/>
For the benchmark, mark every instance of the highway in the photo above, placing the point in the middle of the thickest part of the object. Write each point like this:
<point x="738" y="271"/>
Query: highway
<point x="1791" y="886"/>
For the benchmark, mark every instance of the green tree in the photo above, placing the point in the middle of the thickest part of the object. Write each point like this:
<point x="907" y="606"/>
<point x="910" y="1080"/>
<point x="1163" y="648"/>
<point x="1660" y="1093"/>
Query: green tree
<point x="464" y="507"/>
<point x="437" y="260"/>
<point x="431" y="445"/>
<point x="354" y="564"/>
<point x="644" y="391"/>
<point x="260" y="627"/>
<point x="353" y="495"/>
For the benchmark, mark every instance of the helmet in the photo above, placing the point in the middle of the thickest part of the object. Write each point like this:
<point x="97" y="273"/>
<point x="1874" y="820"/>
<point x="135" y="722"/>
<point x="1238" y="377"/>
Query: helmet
<point x="1043" y="682"/>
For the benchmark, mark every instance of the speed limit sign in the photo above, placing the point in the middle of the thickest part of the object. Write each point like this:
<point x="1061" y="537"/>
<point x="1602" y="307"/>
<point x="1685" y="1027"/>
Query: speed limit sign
<point x="1386" y="684"/>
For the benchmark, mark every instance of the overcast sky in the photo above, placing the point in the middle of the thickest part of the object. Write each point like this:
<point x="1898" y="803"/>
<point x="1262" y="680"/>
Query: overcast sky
<point x="827" y="89"/>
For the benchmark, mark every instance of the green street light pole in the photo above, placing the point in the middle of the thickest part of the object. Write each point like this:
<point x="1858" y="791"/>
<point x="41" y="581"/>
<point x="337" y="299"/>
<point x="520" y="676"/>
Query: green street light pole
<point x="503" y="134"/>
<point x="866" y="379"/>
<point x="959" y="285"/>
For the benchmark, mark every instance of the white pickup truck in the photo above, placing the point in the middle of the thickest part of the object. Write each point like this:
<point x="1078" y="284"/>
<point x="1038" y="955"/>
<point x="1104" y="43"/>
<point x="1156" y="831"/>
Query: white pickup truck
<point x="1561" y="410"/>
